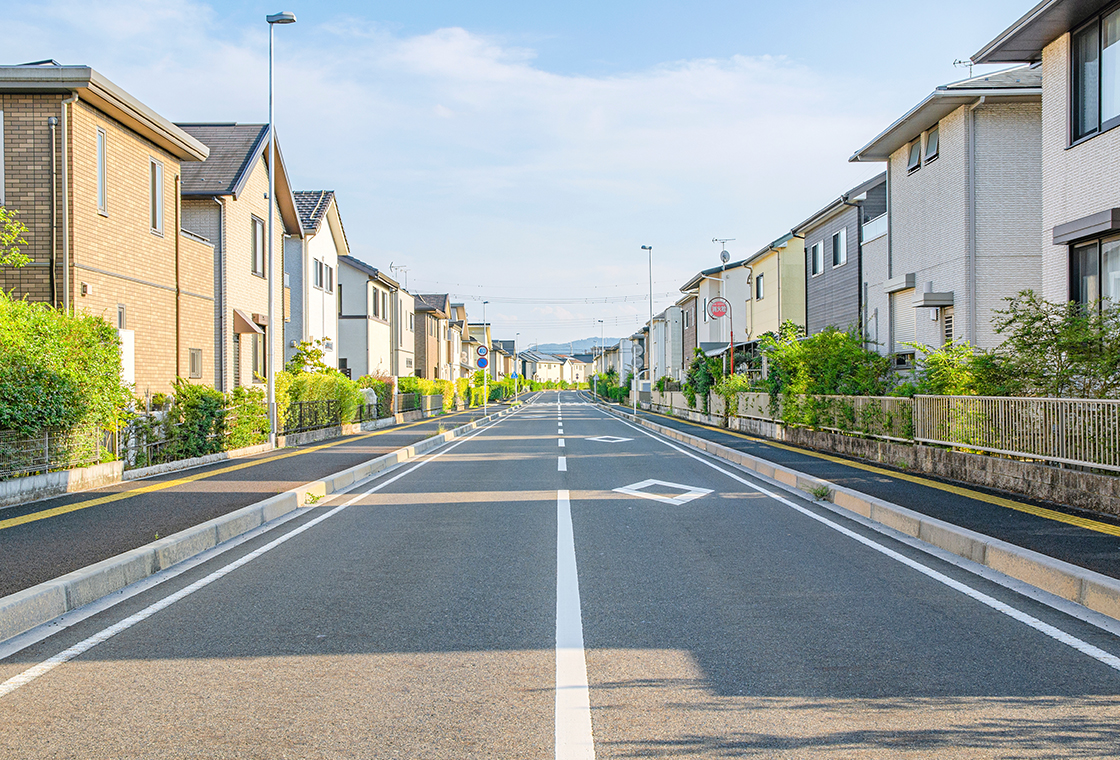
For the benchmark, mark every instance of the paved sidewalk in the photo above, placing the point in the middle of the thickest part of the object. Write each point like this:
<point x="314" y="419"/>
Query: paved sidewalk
<point x="1094" y="543"/>
<point x="75" y="530"/>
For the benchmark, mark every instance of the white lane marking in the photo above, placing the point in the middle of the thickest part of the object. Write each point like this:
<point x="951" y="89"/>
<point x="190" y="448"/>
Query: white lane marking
<point x="690" y="492"/>
<point x="29" y="675"/>
<point x="609" y="439"/>
<point x="573" y="699"/>
<point x="562" y="464"/>
<point x="1057" y="634"/>
<point x="561" y="442"/>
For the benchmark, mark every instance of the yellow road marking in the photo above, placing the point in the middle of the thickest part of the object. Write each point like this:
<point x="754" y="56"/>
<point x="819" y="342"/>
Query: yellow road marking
<point x="1018" y="506"/>
<point x="76" y="506"/>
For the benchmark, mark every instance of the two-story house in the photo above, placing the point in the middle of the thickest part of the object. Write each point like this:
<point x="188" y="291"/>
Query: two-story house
<point x="432" y="312"/>
<point x="964" y="191"/>
<point x="668" y="344"/>
<point x="225" y="201"/>
<point x="367" y="319"/>
<point x="833" y="240"/>
<point x="1076" y="46"/>
<point x="311" y="275"/>
<point x="95" y="177"/>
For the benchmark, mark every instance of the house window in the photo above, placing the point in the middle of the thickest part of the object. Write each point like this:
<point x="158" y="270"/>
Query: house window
<point x="933" y="140"/>
<point x="408" y="363"/>
<point x="330" y="278"/>
<point x="258" y="247"/>
<point x="411" y="322"/>
<point x="840" y="248"/>
<point x="260" y="354"/>
<point x="1096" y="76"/>
<point x="122" y="317"/>
<point x="817" y="254"/>
<point x="195" y="362"/>
<point x="947" y="324"/>
<point x="684" y="318"/>
<point x="102" y="193"/>
<point x="318" y="274"/>
<point x="914" y="161"/>
<point x="1095" y="271"/>
<point x="236" y="360"/>
<point x="759" y="290"/>
<point x="155" y="199"/>
<point x="376" y="303"/>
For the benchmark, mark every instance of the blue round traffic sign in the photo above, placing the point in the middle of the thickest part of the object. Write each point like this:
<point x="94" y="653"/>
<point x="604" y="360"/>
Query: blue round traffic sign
<point x="482" y="362"/>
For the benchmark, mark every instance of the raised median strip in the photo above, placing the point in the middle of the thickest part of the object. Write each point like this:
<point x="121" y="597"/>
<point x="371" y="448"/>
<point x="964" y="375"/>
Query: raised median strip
<point x="1092" y="590"/>
<point x="39" y="604"/>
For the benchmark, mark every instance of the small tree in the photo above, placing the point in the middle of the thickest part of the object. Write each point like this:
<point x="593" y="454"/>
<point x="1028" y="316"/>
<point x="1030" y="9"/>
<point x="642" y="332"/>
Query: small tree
<point x="12" y="231"/>
<point x="308" y="357"/>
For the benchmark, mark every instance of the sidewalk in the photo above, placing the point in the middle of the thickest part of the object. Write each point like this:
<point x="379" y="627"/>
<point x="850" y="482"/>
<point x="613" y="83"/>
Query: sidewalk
<point x="46" y="539"/>
<point x="1088" y="540"/>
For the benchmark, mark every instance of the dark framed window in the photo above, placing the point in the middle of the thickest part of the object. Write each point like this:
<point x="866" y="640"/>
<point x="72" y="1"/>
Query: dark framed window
<point x="914" y="160"/>
<point x="1096" y="75"/>
<point x="840" y="248"/>
<point x="195" y="362"/>
<point x="122" y="318"/>
<point x="933" y="143"/>
<point x="155" y="199"/>
<point x="816" y="251"/>
<point x="258" y="247"/>
<point x="260" y="357"/>
<point x="1095" y="272"/>
<point x="759" y="289"/>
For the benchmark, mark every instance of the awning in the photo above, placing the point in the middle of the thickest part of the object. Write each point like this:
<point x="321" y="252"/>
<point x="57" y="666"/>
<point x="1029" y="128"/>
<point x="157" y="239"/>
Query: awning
<point x="721" y="349"/>
<point x="243" y="323"/>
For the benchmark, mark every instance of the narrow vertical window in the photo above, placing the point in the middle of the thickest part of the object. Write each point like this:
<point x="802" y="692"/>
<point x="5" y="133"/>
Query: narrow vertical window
<point x="155" y="205"/>
<point x="330" y="278"/>
<point x="933" y="144"/>
<point x="840" y="248"/>
<point x="1110" y="69"/>
<point x="122" y="317"/>
<point x="759" y="289"/>
<point x="318" y="274"/>
<point x="195" y="363"/>
<point x="1085" y="277"/>
<point x="260" y="354"/>
<point x="1110" y="271"/>
<point x="817" y="253"/>
<point x="914" y="160"/>
<point x="258" y="247"/>
<point x="102" y="194"/>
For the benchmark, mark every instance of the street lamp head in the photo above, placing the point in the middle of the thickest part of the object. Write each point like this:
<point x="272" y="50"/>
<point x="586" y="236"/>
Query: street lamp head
<point x="647" y="247"/>
<point x="284" y="17"/>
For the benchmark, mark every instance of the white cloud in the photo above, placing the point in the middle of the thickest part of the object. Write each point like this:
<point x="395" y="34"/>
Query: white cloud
<point x="453" y="153"/>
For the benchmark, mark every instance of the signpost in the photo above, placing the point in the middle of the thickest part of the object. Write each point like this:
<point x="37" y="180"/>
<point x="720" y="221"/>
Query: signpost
<point x="483" y="363"/>
<point x="719" y="307"/>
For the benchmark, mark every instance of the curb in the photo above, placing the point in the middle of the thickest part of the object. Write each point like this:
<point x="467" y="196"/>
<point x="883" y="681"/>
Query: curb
<point x="39" y="604"/>
<point x="1090" y="589"/>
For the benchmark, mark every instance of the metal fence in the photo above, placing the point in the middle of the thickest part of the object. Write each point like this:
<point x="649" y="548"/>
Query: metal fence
<point x="1084" y="432"/>
<point x="53" y="450"/>
<point x="886" y="417"/>
<point x="407" y="402"/>
<point x="311" y="415"/>
<point x="366" y="413"/>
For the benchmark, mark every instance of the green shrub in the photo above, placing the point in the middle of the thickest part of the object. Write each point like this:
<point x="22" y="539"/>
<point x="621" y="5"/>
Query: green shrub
<point x="195" y="421"/>
<point x="246" y="422"/>
<point x="383" y="386"/>
<point x="57" y="371"/>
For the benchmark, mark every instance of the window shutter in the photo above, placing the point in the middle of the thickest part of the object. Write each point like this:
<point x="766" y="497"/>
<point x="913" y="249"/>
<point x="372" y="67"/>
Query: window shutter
<point x="902" y="320"/>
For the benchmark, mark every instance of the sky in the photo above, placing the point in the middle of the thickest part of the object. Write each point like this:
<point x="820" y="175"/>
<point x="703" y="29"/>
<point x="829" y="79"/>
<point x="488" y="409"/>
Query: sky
<point x="522" y="153"/>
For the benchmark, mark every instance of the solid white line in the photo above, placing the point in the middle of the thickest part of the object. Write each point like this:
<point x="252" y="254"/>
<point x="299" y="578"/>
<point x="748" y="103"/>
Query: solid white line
<point x="561" y="442"/>
<point x="573" y="699"/>
<point x="562" y="464"/>
<point x="29" y="675"/>
<point x="1057" y="634"/>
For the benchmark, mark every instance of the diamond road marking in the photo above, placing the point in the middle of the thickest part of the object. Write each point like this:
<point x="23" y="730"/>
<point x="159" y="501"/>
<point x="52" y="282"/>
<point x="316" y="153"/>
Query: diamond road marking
<point x="689" y="494"/>
<point x="609" y="439"/>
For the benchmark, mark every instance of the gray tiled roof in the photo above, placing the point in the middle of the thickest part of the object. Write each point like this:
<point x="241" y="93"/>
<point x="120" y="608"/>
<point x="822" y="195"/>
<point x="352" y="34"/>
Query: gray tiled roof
<point x="312" y="206"/>
<point x="233" y="149"/>
<point x="432" y="302"/>
<point x="1019" y="76"/>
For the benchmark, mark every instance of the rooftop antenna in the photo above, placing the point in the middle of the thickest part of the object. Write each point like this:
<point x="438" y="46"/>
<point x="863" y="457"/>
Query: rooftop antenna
<point x="960" y="64"/>
<point x="394" y="269"/>
<point x="724" y="256"/>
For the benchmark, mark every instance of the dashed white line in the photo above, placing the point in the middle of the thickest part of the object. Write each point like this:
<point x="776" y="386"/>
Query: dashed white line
<point x="574" y="740"/>
<point x="561" y="442"/>
<point x="562" y="464"/>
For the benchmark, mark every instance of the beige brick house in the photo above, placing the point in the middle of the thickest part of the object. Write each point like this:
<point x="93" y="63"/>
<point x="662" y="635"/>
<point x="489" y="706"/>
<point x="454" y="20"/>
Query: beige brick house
<point x="94" y="174"/>
<point x="225" y="200"/>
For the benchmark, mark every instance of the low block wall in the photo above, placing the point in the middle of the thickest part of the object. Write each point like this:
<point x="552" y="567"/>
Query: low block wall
<point x="36" y="487"/>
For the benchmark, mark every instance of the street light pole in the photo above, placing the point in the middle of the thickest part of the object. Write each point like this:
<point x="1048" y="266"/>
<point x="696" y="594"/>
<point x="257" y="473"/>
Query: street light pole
<point x="516" y="369"/>
<point x="649" y="336"/>
<point x="489" y="358"/>
<point x="599" y="368"/>
<point x="284" y="17"/>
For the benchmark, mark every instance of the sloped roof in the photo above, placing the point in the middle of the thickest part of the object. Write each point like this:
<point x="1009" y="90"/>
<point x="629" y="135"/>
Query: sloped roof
<point x="234" y="149"/>
<point x="1024" y="40"/>
<point x="312" y="206"/>
<point x="437" y="302"/>
<point x="372" y="271"/>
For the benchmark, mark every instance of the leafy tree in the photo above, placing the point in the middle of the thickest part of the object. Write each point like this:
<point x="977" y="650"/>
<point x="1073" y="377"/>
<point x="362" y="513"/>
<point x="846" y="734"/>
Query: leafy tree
<point x="308" y="358"/>
<point x="12" y="231"/>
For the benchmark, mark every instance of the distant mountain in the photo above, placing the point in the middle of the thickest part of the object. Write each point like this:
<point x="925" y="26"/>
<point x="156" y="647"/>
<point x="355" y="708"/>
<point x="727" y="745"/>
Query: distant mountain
<point x="576" y="346"/>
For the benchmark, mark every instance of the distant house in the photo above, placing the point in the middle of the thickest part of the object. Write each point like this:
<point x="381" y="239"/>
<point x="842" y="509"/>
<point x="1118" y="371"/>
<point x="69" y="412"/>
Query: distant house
<point x="687" y="305"/>
<point x="432" y="359"/>
<point x="94" y="175"/>
<point x="668" y="344"/>
<point x="225" y="200"/>
<point x="964" y="196"/>
<point x="369" y="329"/>
<point x="1075" y="45"/>
<point x="834" y="238"/>
<point x="541" y="367"/>
<point x="311" y="278"/>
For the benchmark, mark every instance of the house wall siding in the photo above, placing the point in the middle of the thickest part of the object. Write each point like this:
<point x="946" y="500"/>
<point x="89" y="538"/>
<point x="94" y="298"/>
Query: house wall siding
<point x="1078" y="180"/>
<point x="832" y="297"/>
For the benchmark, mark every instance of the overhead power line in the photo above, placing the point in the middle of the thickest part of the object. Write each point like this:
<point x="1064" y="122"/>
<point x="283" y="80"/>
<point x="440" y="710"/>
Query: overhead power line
<point x="639" y="298"/>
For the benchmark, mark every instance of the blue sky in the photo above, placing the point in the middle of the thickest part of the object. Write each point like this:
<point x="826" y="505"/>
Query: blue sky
<point x="523" y="152"/>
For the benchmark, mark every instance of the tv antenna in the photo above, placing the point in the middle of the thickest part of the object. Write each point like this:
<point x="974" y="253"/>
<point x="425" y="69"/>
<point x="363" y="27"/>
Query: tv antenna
<point x="394" y="269"/>
<point x="724" y="256"/>
<point x="960" y="64"/>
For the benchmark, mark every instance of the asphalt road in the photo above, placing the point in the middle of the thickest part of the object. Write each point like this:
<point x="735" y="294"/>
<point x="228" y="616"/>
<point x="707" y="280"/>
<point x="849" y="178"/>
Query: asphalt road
<point x="496" y="601"/>
<point x="1087" y="548"/>
<point x="44" y="549"/>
